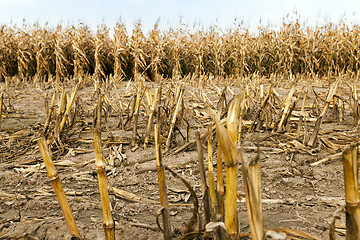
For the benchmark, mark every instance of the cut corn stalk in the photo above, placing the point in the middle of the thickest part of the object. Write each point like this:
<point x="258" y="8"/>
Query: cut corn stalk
<point x="59" y="191"/>
<point x="173" y="121"/>
<point x="162" y="185"/>
<point x="204" y="187"/>
<point x="51" y="110"/>
<point x="287" y="104"/>
<point x="139" y="96"/>
<point x="68" y="108"/>
<point x="231" y="161"/>
<point x="211" y="178"/>
<point x="263" y="104"/>
<point x="252" y="184"/>
<point x="151" y="117"/>
<point x="302" y="114"/>
<point x="109" y="225"/>
<point x="220" y="191"/>
<point x="319" y="120"/>
<point x="351" y="176"/>
<point x="232" y="121"/>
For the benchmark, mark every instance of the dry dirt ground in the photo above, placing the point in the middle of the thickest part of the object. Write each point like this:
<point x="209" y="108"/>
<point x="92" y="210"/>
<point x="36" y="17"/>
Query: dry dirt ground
<point x="295" y="194"/>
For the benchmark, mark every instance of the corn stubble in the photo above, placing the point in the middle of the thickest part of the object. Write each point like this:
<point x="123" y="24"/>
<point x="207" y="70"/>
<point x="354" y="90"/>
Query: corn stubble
<point x="351" y="177"/>
<point x="59" y="191"/>
<point x="109" y="225"/>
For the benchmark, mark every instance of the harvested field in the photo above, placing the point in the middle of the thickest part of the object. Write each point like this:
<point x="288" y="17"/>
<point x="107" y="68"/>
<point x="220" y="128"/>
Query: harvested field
<point x="179" y="134"/>
<point x="298" y="191"/>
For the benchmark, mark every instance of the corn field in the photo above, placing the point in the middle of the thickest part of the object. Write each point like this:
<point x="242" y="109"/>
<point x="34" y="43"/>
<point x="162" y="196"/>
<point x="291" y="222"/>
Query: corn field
<point x="179" y="134"/>
<point x="73" y="51"/>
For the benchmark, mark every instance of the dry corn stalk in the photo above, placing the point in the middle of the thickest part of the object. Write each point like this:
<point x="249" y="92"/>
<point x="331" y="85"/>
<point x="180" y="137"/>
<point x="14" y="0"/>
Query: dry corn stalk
<point x="59" y="191"/>
<point x="162" y="185"/>
<point x="220" y="190"/>
<point x="287" y="104"/>
<point x="263" y="104"/>
<point x="204" y="186"/>
<point x="231" y="161"/>
<point x="173" y="120"/>
<point x="151" y="117"/>
<point x="51" y="111"/>
<point x="68" y="109"/>
<point x="212" y="192"/>
<point x="302" y="114"/>
<point x="139" y="96"/>
<point x="351" y="176"/>
<point x="109" y="225"/>
<point x="252" y="184"/>
<point x="227" y="143"/>
<point x="319" y="120"/>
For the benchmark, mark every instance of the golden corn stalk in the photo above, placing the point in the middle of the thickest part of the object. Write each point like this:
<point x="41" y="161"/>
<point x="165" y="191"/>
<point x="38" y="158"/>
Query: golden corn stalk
<point x="231" y="161"/>
<point x="109" y="225"/>
<point x="227" y="140"/>
<point x="319" y="120"/>
<point x="252" y="184"/>
<point x="287" y="104"/>
<point x="173" y="120"/>
<point x="51" y="111"/>
<point x="68" y="108"/>
<point x="162" y="185"/>
<point x="59" y="191"/>
<point x="351" y="177"/>
<point x="151" y="117"/>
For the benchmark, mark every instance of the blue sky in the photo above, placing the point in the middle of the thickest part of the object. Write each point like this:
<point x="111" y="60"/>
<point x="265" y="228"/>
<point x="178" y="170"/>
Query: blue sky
<point x="206" y="12"/>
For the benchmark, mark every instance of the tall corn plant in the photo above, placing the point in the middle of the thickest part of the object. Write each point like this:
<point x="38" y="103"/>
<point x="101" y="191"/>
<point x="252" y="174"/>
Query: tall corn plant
<point x="64" y="56"/>
<point x="8" y="52"/>
<point x="137" y="51"/>
<point x="83" y="48"/>
<point x="103" y="54"/>
<point x="155" y="52"/>
<point x="25" y="53"/>
<point x="44" y="51"/>
<point x="120" y="51"/>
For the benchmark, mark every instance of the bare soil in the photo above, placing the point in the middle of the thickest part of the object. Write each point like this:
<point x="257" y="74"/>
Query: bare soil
<point x="296" y="195"/>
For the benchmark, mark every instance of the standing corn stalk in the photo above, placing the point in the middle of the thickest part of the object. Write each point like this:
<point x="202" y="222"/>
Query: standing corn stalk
<point x="103" y="55"/>
<point x="120" y="50"/>
<point x="108" y="221"/>
<point x="351" y="176"/>
<point x="59" y="191"/>
<point x="137" y="51"/>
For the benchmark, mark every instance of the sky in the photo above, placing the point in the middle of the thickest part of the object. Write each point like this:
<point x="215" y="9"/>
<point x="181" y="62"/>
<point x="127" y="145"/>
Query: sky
<point x="222" y="13"/>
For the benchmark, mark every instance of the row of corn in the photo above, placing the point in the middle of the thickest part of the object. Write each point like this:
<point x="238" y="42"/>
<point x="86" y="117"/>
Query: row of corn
<point x="76" y="50"/>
